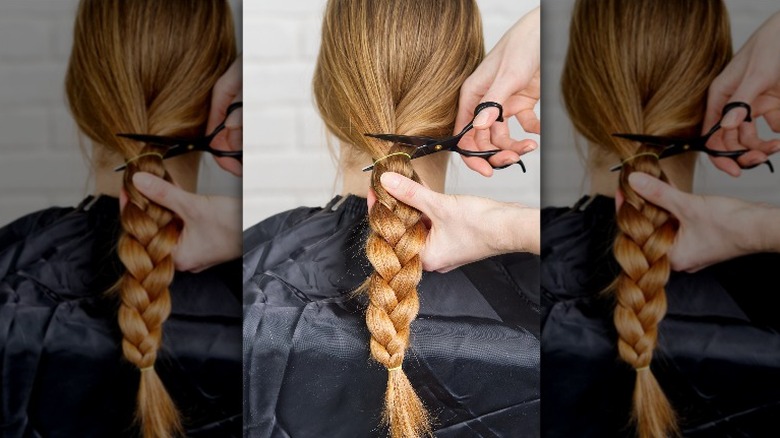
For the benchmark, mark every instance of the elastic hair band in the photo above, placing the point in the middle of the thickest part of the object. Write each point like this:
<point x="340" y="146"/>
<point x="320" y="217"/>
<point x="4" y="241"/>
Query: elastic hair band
<point x="646" y="367"/>
<point x="394" y="368"/>
<point x="641" y="154"/>
<point x="145" y="154"/>
<point x="146" y="368"/>
<point x="394" y="154"/>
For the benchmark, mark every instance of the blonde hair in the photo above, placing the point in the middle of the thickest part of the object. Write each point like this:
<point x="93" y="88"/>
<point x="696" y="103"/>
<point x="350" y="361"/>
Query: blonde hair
<point x="643" y="67"/>
<point x="394" y="66"/>
<point x="146" y="66"/>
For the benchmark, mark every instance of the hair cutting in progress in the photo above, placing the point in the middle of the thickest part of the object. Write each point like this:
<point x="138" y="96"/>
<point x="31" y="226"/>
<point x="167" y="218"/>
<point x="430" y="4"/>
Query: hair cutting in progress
<point x="643" y="66"/>
<point x="394" y="66"/>
<point x="134" y="68"/>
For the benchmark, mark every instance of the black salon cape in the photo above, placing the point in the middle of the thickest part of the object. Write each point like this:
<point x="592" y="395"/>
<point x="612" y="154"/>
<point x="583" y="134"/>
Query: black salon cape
<point x="718" y="358"/>
<point x="62" y="373"/>
<point x="474" y="355"/>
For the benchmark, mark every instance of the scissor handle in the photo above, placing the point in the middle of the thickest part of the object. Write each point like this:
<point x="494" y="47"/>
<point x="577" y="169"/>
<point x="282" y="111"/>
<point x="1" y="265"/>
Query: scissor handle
<point x="232" y="107"/>
<point x="731" y="105"/>
<point x="486" y="155"/>
<point x="484" y="105"/>
<point x="238" y="155"/>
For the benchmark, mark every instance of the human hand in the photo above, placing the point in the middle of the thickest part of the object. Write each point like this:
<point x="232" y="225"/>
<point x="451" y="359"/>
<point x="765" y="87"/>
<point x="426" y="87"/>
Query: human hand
<point x="455" y="238"/>
<point x="212" y="224"/>
<point x="712" y="228"/>
<point x="753" y="77"/>
<point x="509" y="75"/>
<point x="228" y="89"/>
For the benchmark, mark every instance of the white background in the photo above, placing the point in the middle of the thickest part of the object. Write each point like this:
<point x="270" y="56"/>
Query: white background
<point x="287" y="161"/>
<point x="562" y="170"/>
<point x="41" y="164"/>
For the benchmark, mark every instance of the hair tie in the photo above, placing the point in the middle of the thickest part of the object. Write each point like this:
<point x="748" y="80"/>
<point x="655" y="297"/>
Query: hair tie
<point x="646" y="367"/>
<point x="145" y="154"/>
<point x="641" y="154"/>
<point x="395" y="368"/>
<point x="144" y="369"/>
<point x="392" y="155"/>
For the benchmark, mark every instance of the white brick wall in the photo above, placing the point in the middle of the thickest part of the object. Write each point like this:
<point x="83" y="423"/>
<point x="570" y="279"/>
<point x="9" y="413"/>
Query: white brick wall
<point x="563" y="176"/>
<point x="40" y="161"/>
<point x="287" y="160"/>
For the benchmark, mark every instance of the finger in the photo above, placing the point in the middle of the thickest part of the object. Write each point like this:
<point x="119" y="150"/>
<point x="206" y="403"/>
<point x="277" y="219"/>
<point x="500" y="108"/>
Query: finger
<point x="226" y="89"/>
<point x="529" y="121"/>
<point x="479" y="165"/>
<point x="727" y="165"/>
<point x="773" y="120"/>
<point x="163" y="193"/>
<point x="123" y="199"/>
<point x="748" y="137"/>
<point x="483" y="140"/>
<point x="371" y="198"/>
<point x="657" y="192"/>
<point x="486" y="118"/>
<point x="409" y="192"/>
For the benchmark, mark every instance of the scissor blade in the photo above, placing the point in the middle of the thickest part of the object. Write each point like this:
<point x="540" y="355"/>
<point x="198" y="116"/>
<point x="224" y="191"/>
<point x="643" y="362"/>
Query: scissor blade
<point x="155" y="139"/>
<point x="403" y="139"/>
<point x="653" y="139"/>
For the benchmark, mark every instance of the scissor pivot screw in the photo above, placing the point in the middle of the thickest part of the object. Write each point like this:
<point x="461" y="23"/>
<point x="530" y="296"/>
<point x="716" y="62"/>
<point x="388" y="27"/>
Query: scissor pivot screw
<point x="438" y="147"/>
<point x="190" y="147"/>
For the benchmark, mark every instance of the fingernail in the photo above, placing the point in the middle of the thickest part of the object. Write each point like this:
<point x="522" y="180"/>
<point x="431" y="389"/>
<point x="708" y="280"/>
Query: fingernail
<point x="482" y="118"/>
<point x="143" y="180"/>
<point x="529" y="148"/>
<point x="390" y="180"/>
<point x="731" y="118"/>
<point x="639" y="180"/>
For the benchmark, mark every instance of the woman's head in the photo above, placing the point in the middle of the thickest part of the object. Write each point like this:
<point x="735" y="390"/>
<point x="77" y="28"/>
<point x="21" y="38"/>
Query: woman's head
<point x="146" y="66"/>
<point x="642" y="66"/>
<point x="394" y="66"/>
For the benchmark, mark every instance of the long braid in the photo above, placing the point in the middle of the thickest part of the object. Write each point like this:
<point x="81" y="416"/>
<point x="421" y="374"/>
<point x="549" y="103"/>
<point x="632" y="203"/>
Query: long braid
<point x="150" y="234"/>
<point x="393" y="247"/>
<point x="646" y="234"/>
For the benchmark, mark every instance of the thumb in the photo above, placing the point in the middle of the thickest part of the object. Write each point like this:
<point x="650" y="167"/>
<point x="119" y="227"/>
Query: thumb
<point x="409" y="192"/>
<point x="747" y="92"/>
<point x="499" y="92"/>
<point x="163" y="192"/>
<point x="657" y="191"/>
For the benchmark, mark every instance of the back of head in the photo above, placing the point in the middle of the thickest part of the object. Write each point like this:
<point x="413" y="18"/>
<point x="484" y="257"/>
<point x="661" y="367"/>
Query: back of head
<point x="394" y="66"/>
<point x="642" y="66"/>
<point x="146" y="66"/>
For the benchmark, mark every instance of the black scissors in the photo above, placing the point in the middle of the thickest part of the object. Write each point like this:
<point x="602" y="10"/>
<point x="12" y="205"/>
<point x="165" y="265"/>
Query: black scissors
<point x="179" y="146"/>
<point x="677" y="145"/>
<point x="428" y="145"/>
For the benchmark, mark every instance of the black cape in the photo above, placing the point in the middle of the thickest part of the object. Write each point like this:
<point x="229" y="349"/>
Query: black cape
<point x="718" y="358"/>
<point x="62" y="373"/>
<point x="474" y="358"/>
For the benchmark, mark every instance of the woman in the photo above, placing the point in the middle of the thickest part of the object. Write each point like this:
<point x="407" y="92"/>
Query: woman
<point x="99" y="337"/>
<point x="344" y="336"/>
<point x="697" y="353"/>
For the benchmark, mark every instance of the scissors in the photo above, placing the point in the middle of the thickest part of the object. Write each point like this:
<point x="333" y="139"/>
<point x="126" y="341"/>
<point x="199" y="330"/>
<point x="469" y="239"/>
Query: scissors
<point x="428" y="145"/>
<point x="677" y="145"/>
<point x="179" y="145"/>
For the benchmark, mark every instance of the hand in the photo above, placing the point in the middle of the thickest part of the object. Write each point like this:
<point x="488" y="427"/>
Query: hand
<point x="712" y="228"/>
<point x="212" y="224"/>
<point x="455" y="239"/>
<point x="509" y="75"/>
<point x="228" y="89"/>
<point x="752" y="76"/>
